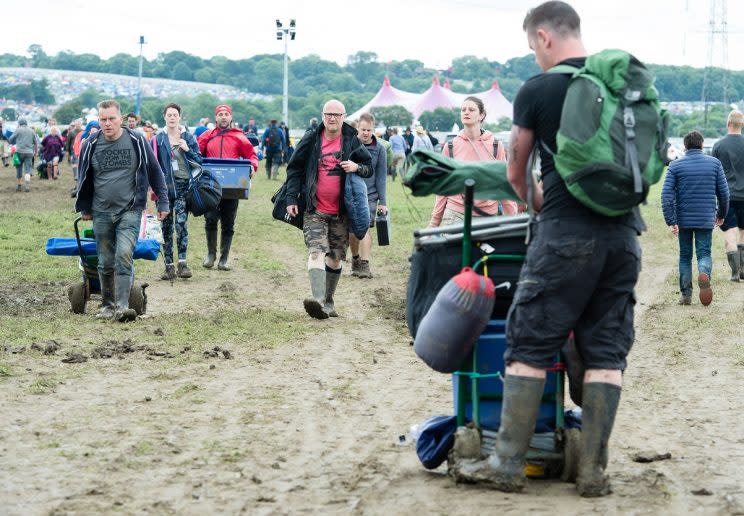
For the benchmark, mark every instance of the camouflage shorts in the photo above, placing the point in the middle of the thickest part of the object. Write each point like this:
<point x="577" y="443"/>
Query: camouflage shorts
<point x="327" y="234"/>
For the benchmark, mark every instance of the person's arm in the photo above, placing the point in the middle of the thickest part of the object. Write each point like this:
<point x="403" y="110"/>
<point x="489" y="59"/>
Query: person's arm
<point x="381" y="180"/>
<point x="723" y="194"/>
<point x="521" y="144"/>
<point x="436" y="215"/>
<point x="360" y="160"/>
<point x="193" y="153"/>
<point x="296" y="171"/>
<point x="202" y="141"/>
<point x="156" y="179"/>
<point x="668" y="198"/>
<point x="248" y="152"/>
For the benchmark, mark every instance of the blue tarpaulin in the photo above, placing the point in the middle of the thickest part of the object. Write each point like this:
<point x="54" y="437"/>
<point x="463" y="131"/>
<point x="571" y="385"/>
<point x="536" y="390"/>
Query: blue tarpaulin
<point x="145" y="249"/>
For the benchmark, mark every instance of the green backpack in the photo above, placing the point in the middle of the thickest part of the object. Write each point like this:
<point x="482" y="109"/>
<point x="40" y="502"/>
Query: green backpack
<point x="612" y="141"/>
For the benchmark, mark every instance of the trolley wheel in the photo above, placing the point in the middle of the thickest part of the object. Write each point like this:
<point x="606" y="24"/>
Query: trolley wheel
<point x="571" y="454"/>
<point x="138" y="298"/>
<point x="76" y="294"/>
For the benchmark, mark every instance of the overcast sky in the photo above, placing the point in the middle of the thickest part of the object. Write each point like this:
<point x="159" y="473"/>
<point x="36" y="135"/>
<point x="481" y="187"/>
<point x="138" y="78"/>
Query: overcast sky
<point x="433" y="31"/>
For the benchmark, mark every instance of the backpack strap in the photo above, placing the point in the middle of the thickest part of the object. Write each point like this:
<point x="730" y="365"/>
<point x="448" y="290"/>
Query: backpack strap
<point x="631" y="151"/>
<point x="495" y="148"/>
<point x="451" y="148"/>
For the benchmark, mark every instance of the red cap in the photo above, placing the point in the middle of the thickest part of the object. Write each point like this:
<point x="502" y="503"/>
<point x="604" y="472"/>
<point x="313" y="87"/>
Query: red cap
<point x="223" y="107"/>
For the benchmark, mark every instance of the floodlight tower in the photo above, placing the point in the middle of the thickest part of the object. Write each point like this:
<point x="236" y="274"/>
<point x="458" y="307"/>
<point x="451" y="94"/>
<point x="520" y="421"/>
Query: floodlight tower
<point x="286" y="33"/>
<point x="139" y="77"/>
<point x="717" y="37"/>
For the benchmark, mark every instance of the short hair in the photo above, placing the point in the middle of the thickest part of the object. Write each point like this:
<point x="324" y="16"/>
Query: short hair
<point x="172" y="105"/>
<point x="395" y="130"/>
<point x="313" y="120"/>
<point x="108" y="104"/>
<point x="131" y="115"/>
<point x="735" y="119"/>
<point x="693" y="140"/>
<point x="272" y="122"/>
<point x="367" y="117"/>
<point x="556" y="16"/>
<point x="353" y="123"/>
<point x="479" y="103"/>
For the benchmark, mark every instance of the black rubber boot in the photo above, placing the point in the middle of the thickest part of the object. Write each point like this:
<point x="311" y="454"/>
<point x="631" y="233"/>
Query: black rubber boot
<point x="504" y="469"/>
<point x="225" y="244"/>
<point x="740" y="248"/>
<point x="598" y="417"/>
<point x="332" y="278"/>
<point x="211" y="248"/>
<point x="735" y="264"/>
<point x="314" y="304"/>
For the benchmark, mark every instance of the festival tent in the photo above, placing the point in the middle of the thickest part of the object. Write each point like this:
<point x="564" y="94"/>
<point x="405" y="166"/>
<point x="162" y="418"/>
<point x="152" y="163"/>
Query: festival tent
<point x="387" y="96"/>
<point x="435" y="97"/>
<point x="496" y="104"/>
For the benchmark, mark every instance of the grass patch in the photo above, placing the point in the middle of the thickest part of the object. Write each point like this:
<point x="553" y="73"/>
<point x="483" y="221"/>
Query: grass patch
<point x="6" y="371"/>
<point x="43" y="385"/>
<point x="185" y="390"/>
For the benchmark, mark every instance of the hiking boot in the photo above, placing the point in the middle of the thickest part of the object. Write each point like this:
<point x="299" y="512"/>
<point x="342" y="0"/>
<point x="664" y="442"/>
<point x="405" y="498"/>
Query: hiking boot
<point x="706" y="293"/>
<point x="598" y="417"/>
<point x="211" y="248"/>
<point x="183" y="270"/>
<point x="364" y="271"/>
<point x="685" y="299"/>
<point x="355" y="264"/>
<point x="332" y="278"/>
<point x="224" y="252"/>
<point x="106" y="312"/>
<point x="504" y="469"/>
<point x="27" y="186"/>
<point x="314" y="304"/>
<point x="125" y="315"/>
<point x="170" y="272"/>
<point x="18" y="188"/>
<point x="734" y="262"/>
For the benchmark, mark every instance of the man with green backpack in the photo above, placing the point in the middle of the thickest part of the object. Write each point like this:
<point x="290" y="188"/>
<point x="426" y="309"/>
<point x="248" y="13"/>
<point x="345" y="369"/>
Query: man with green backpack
<point x="601" y="136"/>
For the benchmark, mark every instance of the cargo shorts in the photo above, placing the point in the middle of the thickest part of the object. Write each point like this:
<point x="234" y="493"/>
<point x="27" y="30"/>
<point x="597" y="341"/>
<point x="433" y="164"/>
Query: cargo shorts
<point x="578" y="276"/>
<point x="327" y="234"/>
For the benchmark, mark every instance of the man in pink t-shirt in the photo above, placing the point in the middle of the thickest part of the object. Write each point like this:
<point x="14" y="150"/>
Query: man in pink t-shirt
<point x="316" y="178"/>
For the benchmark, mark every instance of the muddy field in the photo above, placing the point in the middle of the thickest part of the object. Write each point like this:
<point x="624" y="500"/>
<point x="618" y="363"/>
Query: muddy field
<point x="225" y="398"/>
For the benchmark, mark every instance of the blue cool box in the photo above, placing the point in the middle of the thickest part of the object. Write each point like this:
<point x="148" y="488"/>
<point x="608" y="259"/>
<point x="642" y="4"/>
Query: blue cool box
<point x="490" y="354"/>
<point x="234" y="176"/>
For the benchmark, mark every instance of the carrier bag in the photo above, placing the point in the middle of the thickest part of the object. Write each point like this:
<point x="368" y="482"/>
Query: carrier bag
<point x="204" y="193"/>
<point x="384" y="231"/>
<point x="612" y="141"/>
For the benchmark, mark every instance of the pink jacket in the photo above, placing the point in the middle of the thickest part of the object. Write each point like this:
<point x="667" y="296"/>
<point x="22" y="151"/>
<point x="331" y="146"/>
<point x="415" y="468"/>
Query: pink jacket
<point x="465" y="149"/>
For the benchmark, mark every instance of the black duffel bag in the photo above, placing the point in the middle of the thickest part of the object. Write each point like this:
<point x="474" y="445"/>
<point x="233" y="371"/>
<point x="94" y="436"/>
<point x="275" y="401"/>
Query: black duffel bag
<point x="279" y="212"/>
<point x="204" y="193"/>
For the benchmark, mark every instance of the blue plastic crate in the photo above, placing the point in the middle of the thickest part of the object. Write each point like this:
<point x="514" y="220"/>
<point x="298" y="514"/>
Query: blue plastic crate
<point x="490" y="358"/>
<point x="234" y="176"/>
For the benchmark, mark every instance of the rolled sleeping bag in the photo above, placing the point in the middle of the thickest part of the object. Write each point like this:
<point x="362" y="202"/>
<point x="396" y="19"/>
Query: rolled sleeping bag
<point x="458" y="315"/>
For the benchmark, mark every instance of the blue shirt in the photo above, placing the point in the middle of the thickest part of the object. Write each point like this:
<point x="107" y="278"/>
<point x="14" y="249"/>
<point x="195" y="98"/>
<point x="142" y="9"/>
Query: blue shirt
<point x="398" y="144"/>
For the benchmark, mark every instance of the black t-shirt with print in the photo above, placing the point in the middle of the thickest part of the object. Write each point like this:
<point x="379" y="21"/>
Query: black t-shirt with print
<point x="537" y="107"/>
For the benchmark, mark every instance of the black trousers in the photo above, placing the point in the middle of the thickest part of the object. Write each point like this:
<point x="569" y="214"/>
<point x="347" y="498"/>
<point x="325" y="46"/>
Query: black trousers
<point x="225" y="213"/>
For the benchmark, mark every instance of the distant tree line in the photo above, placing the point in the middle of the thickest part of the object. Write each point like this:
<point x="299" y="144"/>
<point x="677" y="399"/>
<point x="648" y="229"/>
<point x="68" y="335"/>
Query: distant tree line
<point x="313" y="79"/>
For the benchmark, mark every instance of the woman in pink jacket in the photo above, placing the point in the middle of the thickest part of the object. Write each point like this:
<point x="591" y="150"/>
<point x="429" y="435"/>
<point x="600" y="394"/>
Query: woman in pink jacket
<point x="472" y="144"/>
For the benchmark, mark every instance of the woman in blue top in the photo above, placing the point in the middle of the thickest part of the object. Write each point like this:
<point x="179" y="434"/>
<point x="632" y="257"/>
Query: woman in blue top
<point x="177" y="152"/>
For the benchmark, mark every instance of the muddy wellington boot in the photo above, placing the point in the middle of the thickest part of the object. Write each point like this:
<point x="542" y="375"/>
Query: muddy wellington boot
<point x="225" y="244"/>
<point x="123" y="284"/>
<point x="598" y="417"/>
<point x="332" y="277"/>
<point x="314" y="304"/>
<point x="211" y="248"/>
<point x="107" y="297"/>
<point x="504" y="469"/>
<point x="740" y="248"/>
<point x="169" y="274"/>
<point x="734" y="262"/>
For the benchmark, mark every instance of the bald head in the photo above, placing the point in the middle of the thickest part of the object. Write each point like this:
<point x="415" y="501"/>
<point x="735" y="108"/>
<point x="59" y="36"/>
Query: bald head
<point x="333" y="117"/>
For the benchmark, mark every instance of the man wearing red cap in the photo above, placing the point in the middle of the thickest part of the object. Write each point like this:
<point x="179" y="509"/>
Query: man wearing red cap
<point x="224" y="141"/>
